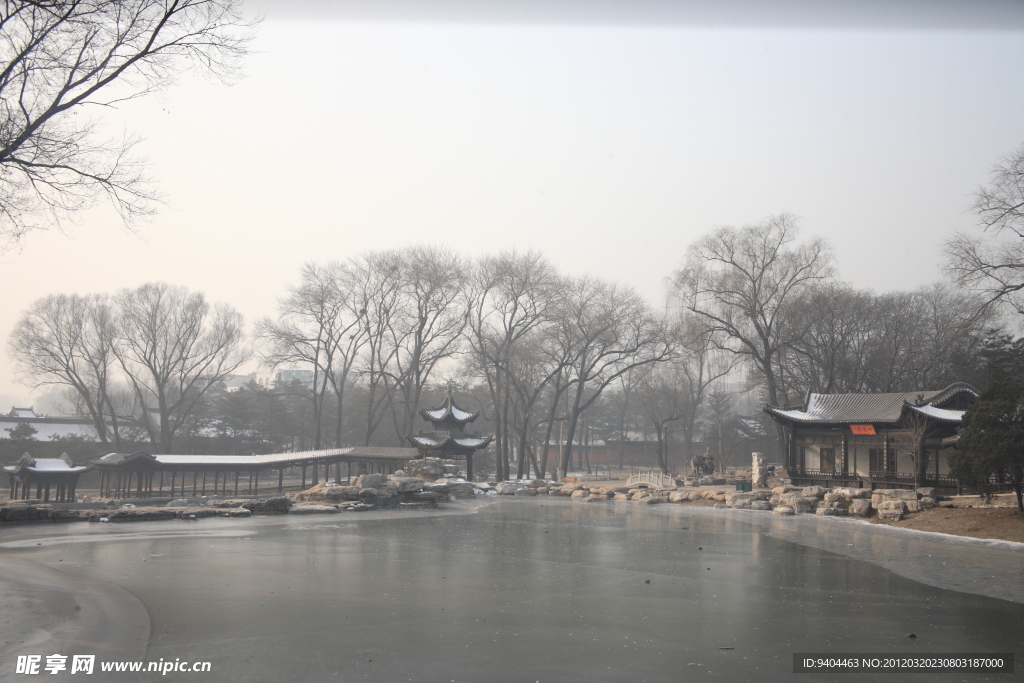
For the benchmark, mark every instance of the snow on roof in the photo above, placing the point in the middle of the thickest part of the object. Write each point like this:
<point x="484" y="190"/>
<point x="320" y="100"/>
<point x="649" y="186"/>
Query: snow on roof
<point x="266" y="460"/>
<point x="857" y="408"/>
<point x="940" y="413"/>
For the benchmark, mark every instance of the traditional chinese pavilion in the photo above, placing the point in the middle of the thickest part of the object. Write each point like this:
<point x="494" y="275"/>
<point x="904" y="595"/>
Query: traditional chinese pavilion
<point x="59" y="473"/>
<point x="449" y="438"/>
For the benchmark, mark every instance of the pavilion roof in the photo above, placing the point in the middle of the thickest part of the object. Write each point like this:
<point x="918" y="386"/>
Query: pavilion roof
<point x="873" y="408"/>
<point x="61" y="465"/>
<point x="448" y="412"/>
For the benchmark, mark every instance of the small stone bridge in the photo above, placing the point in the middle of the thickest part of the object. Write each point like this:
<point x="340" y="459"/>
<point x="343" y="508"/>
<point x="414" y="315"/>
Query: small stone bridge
<point x="652" y="478"/>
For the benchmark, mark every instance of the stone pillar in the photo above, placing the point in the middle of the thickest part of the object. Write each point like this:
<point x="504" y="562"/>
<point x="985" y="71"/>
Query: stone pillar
<point x="759" y="470"/>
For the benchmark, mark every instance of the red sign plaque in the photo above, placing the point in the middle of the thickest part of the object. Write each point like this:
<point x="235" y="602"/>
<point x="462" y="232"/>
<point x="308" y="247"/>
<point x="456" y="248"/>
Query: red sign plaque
<point x="862" y="429"/>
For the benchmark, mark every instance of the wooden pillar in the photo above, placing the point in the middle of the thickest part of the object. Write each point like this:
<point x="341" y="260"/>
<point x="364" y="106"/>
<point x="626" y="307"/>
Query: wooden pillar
<point x="337" y="472"/>
<point x="161" y="483"/>
<point x="204" y="482"/>
<point x="303" y="476"/>
<point x="280" y="480"/>
<point x="195" y="476"/>
<point x="46" y="493"/>
<point x="349" y="472"/>
<point x="216" y="481"/>
<point x="172" y="482"/>
<point x="469" y="467"/>
<point x="256" y="483"/>
<point x="316" y="473"/>
<point x="236" y="482"/>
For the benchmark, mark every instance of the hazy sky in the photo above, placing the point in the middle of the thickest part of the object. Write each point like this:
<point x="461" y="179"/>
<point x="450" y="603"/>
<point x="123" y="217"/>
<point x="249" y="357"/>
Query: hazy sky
<point x="606" y="137"/>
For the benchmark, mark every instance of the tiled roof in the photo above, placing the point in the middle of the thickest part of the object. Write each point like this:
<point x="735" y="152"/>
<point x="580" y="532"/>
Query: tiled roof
<point x="271" y="460"/>
<point x="869" y="408"/>
<point x="433" y="441"/>
<point x="448" y="412"/>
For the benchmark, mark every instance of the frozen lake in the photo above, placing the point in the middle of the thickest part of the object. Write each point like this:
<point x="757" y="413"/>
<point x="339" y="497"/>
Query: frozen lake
<point x="516" y="590"/>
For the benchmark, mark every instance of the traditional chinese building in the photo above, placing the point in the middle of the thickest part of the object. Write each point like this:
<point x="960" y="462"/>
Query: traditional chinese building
<point x="449" y="438"/>
<point x="893" y="440"/>
<point x="59" y="474"/>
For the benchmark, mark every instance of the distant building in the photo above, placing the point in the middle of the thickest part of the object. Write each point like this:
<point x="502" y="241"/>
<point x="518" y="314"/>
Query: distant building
<point x="46" y="428"/>
<point x="303" y="377"/>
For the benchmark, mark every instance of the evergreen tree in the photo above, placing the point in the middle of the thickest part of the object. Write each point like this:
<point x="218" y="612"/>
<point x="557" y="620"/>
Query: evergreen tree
<point x="992" y="441"/>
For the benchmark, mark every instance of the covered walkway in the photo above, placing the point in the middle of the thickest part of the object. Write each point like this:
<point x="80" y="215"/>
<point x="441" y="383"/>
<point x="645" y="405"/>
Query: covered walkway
<point x="142" y="475"/>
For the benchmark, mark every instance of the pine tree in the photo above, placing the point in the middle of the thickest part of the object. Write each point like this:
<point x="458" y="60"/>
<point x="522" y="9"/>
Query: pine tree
<point x="992" y="441"/>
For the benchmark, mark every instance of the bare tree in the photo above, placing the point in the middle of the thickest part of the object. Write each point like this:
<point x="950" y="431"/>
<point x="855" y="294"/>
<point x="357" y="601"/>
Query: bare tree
<point x="376" y="288"/>
<point x="741" y="284"/>
<point x="610" y="330"/>
<point x="428" y="328"/>
<point x="68" y="340"/>
<point x="313" y="329"/>
<point x="509" y="298"/>
<point x="64" y="58"/>
<point x="174" y="347"/>
<point x="992" y="264"/>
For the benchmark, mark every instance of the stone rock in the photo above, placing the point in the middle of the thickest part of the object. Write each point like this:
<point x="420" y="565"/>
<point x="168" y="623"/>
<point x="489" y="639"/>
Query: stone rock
<point x="840" y="504"/>
<point x="144" y="514"/>
<point x="926" y="502"/>
<point x="543" y="490"/>
<point x="826" y="512"/>
<point x="367" y="495"/>
<point x="678" y="496"/>
<point x="526" y="492"/>
<point x="370" y="481"/>
<point x="354" y="507"/>
<point x="462" y="489"/>
<point x="852" y="493"/>
<point x="831" y="497"/>
<point x="536" y="483"/>
<point x="891" y="509"/>
<point x="621" y="496"/>
<point x="720" y="506"/>
<point x="189" y="513"/>
<point x="314" y="493"/>
<point x="312" y="509"/>
<point x="340" y="494"/>
<point x="270" y="506"/>
<point x="579" y="493"/>
<point x="761" y="505"/>
<point x="640" y="495"/>
<point x="758" y="470"/>
<point x="442" y="487"/>
<point x="568" y="489"/>
<point x="177" y="503"/>
<point x="234" y="512"/>
<point x="927" y="491"/>
<point x="897" y="494"/>
<point x="428" y="469"/>
<point x="423" y="496"/>
<point x="400" y="473"/>
<point x="650" y="500"/>
<point x="407" y="484"/>
<point x="804" y="504"/>
<point x="735" y="498"/>
<point x="814" y="491"/>
<point x="719" y="497"/>
<point x="912" y="505"/>
<point x="779" y="490"/>
<point x="783" y="510"/>
<point x="860" y="507"/>
<point x="594" y="499"/>
<point x="776" y="499"/>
